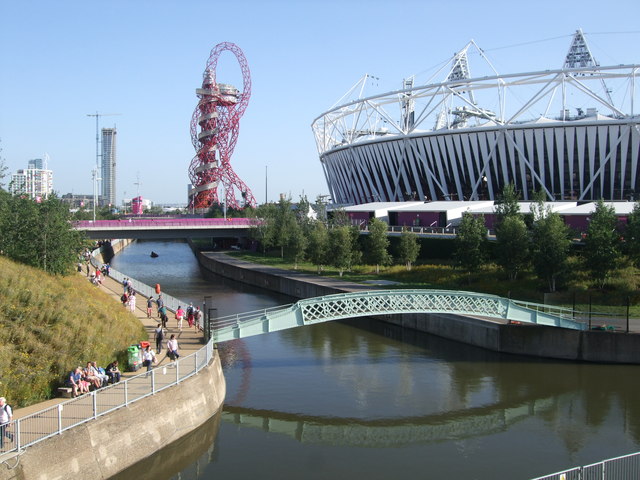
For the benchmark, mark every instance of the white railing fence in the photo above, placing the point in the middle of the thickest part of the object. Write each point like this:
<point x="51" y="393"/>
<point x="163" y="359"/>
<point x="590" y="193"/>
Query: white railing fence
<point x="619" y="468"/>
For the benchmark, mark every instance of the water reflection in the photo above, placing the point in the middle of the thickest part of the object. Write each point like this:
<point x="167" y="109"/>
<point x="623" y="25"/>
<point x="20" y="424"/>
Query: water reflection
<point x="365" y="399"/>
<point x="187" y="455"/>
<point x="434" y="392"/>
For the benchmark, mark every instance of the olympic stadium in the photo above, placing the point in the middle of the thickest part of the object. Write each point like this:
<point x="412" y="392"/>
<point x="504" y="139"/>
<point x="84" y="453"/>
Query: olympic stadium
<point x="571" y="133"/>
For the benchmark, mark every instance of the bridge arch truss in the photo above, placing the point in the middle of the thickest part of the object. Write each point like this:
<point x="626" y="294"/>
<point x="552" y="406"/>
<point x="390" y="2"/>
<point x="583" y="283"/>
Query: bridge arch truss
<point x="388" y="302"/>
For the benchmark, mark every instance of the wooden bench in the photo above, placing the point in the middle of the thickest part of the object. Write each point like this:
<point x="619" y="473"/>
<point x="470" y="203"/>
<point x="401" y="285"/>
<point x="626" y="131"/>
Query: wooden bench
<point x="65" y="392"/>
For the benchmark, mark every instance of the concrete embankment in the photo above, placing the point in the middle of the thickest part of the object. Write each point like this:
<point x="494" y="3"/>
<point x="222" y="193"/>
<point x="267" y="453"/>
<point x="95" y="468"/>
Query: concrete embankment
<point x="101" y="448"/>
<point x="530" y="340"/>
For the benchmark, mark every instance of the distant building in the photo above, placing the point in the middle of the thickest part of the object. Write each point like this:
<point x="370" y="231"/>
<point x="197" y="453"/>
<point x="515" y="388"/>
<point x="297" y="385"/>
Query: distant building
<point x="138" y="205"/>
<point x="35" y="182"/>
<point x="108" y="167"/>
<point x="36" y="163"/>
<point x="77" y="201"/>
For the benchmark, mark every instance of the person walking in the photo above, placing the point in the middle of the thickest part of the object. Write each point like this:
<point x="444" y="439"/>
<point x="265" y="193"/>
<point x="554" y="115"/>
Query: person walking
<point x="148" y="358"/>
<point x="159" y="337"/>
<point x="6" y="414"/>
<point x="190" y="317"/>
<point x="160" y="304"/>
<point x="149" y="306"/>
<point x="179" y="317"/>
<point x="132" y="302"/>
<point x="172" y="348"/>
<point x="163" y="317"/>
<point x="199" y="315"/>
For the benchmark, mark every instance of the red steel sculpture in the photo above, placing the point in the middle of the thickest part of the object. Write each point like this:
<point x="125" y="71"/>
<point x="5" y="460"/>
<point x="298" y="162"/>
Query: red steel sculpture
<point x="217" y="118"/>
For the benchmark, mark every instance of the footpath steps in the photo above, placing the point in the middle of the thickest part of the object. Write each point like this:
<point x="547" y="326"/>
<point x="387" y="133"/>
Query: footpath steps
<point x="189" y="340"/>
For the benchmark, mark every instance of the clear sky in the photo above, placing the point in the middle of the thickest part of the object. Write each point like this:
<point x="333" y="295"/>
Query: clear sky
<point x="142" y="59"/>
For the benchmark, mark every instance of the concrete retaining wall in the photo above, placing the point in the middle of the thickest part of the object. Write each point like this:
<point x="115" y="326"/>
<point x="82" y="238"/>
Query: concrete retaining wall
<point x="101" y="448"/>
<point x="109" y="250"/>
<point x="530" y="340"/>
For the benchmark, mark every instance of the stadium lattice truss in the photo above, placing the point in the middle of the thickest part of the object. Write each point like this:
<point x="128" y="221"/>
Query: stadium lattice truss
<point x="559" y="131"/>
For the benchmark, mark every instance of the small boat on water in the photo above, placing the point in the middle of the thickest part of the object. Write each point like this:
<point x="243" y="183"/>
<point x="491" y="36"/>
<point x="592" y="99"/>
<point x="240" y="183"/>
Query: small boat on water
<point x="153" y="254"/>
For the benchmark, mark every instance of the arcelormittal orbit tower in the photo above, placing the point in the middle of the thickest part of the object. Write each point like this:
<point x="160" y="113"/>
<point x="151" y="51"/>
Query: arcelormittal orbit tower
<point x="214" y="132"/>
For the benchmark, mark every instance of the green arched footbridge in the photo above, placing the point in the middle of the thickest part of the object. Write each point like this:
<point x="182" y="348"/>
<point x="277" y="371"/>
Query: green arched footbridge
<point x="388" y="302"/>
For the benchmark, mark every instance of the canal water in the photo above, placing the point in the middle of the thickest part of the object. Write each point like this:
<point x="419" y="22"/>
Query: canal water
<point x="361" y="399"/>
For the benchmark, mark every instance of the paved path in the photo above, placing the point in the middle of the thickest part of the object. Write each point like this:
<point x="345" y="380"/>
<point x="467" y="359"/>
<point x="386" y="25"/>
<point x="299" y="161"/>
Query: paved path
<point x="189" y="340"/>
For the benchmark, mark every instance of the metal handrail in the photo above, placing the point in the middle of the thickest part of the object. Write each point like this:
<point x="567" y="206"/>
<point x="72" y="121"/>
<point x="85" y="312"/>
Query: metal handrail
<point x="247" y="317"/>
<point x="625" y="466"/>
<point x="46" y="423"/>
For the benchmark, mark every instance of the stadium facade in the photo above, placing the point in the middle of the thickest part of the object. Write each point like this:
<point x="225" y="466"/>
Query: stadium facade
<point x="563" y="132"/>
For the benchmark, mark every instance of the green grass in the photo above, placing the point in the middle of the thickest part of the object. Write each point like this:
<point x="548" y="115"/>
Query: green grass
<point x="490" y="279"/>
<point x="51" y="324"/>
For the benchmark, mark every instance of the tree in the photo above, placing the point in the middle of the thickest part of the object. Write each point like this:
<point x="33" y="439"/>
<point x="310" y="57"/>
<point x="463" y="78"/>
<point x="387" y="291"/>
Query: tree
<point x="356" y="252"/>
<point x="507" y="205"/>
<point x="550" y="245"/>
<point x="341" y="247"/>
<point x="512" y="236"/>
<point x="601" y="251"/>
<point x="41" y="233"/>
<point x="339" y="218"/>
<point x="297" y="243"/>
<point x="21" y="219"/>
<point x="512" y="239"/>
<point x="318" y="246"/>
<point x="409" y="248"/>
<point x="262" y="228"/>
<point x="320" y="207"/>
<point x="378" y="244"/>
<point x="470" y="251"/>
<point x="55" y="240"/>
<point x="283" y="225"/>
<point x="3" y="169"/>
<point x="302" y="212"/>
<point x="632" y="235"/>
<point x="218" y="210"/>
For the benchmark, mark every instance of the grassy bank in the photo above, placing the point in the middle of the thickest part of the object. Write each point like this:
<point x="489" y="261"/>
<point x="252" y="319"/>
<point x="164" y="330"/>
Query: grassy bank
<point x="50" y="324"/>
<point x="438" y="274"/>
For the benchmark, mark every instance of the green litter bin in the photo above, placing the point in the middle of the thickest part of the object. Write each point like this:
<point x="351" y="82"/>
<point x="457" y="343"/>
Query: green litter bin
<point x="134" y="357"/>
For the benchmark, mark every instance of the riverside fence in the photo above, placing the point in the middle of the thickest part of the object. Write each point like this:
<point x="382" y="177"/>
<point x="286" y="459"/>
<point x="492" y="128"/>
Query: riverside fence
<point x="46" y="423"/>
<point x="619" y="468"/>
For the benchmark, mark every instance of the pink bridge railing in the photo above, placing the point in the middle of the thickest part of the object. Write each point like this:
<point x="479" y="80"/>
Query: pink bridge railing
<point x="165" y="222"/>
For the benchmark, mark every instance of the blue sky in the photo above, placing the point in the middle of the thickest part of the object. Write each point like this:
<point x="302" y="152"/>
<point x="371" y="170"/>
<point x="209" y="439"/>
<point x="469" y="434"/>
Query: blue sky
<point x="60" y="61"/>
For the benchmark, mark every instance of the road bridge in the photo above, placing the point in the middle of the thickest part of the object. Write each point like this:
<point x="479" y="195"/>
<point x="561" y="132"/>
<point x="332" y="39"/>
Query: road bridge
<point x="385" y="302"/>
<point x="178" y="228"/>
<point x="166" y="228"/>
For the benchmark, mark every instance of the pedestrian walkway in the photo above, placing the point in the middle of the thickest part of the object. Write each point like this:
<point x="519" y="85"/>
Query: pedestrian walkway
<point x="189" y="340"/>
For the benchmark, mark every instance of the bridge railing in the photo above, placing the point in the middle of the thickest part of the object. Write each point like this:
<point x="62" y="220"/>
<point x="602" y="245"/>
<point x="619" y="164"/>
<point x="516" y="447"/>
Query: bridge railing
<point x="247" y="318"/>
<point x="561" y="312"/>
<point x="366" y="303"/>
<point x="164" y="222"/>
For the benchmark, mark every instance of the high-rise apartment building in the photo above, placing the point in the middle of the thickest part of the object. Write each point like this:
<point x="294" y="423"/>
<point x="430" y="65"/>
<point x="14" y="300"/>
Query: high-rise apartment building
<point x="35" y="182"/>
<point x="108" y="167"/>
